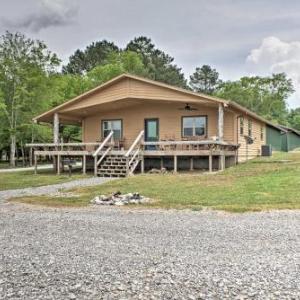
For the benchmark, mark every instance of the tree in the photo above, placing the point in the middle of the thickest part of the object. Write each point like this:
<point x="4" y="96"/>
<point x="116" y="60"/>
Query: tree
<point x="24" y="65"/>
<point x="294" y="118"/>
<point x="264" y="95"/>
<point x="160" y="66"/>
<point x="117" y="63"/>
<point x="94" y="55"/>
<point x="205" y="80"/>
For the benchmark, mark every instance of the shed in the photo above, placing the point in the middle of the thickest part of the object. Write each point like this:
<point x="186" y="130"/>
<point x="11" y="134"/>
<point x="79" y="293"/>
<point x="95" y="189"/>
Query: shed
<point x="282" y="138"/>
<point x="275" y="136"/>
<point x="290" y="139"/>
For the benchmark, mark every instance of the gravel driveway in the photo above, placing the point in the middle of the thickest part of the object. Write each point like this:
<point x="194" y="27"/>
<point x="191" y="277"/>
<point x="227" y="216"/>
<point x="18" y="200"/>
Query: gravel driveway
<point x="113" y="253"/>
<point x="53" y="189"/>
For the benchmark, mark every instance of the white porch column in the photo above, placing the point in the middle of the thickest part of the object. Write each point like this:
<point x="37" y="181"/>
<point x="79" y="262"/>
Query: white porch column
<point x="55" y="129"/>
<point x="221" y="122"/>
<point x="175" y="163"/>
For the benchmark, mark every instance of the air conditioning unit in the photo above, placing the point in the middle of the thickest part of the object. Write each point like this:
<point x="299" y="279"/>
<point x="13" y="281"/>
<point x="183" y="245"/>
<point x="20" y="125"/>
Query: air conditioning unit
<point x="266" y="150"/>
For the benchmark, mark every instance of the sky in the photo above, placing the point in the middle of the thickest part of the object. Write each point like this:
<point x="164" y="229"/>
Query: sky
<point x="237" y="37"/>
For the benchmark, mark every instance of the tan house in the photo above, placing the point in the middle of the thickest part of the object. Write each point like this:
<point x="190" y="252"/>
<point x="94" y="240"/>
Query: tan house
<point x="132" y="123"/>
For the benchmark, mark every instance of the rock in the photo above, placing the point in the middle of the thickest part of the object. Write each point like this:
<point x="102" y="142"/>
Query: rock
<point x="118" y="199"/>
<point x="119" y="203"/>
<point x="72" y="296"/>
<point x="133" y="201"/>
<point x="154" y="171"/>
<point x="105" y="198"/>
<point x="137" y="196"/>
<point x="157" y="171"/>
<point x="163" y="170"/>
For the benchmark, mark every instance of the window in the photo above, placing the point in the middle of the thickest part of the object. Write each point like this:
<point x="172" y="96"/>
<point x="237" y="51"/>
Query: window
<point x="194" y="126"/>
<point x="112" y="125"/>
<point x="241" y="125"/>
<point x="249" y="127"/>
<point x="262" y="133"/>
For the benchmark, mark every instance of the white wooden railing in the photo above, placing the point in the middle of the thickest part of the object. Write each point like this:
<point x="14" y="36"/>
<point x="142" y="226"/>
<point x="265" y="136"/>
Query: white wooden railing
<point x="178" y="143"/>
<point x="132" y="155"/>
<point x="97" y="161"/>
<point x="61" y="144"/>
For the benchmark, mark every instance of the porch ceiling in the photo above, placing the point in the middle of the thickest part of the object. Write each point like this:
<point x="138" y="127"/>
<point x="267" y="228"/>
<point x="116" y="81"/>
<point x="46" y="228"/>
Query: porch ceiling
<point x="130" y="102"/>
<point x="75" y="116"/>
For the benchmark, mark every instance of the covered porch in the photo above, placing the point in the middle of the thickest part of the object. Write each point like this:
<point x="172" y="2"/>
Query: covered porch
<point x="139" y="154"/>
<point x="130" y="121"/>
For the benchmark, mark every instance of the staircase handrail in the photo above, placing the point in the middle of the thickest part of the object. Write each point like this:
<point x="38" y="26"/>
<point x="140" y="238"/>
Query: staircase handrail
<point x="134" y="144"/>
<point x="103" y="144"/>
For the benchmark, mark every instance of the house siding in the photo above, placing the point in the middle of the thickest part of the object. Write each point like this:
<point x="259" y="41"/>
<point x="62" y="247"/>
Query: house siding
<point x="251" y="150"/>
<point x="169" y="117"/>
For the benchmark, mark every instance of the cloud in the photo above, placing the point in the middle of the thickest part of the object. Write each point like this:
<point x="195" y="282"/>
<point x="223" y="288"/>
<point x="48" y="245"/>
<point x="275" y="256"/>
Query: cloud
<point x="276" y="56"/>
<point x="50" y="13"/>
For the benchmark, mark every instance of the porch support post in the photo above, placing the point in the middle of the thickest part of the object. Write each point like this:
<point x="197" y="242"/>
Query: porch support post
<point x="55" y="139"/>
<point x="142" y="164"/>
<point x="192" y="163"/>
<point x="221" y="160"/>
<point x="30" y="156"/>
<point x="236" y="157"/>
<point x="58" y="164"/>
<point x="95" y="166"/>
<point x="221" y="122"/>
<point x="210" y="162"/>
<point x="175" y="163"/>
<point x="84" y="164"/>
<point x="161" y="162"/>
<point x="56" y="129"/>
<point x="35" y="164"/>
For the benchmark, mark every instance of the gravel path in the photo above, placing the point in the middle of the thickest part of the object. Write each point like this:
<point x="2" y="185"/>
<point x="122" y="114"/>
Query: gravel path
<point x="117" y="253"/>
<point x="23" y="169"/>
<point x="53" y="189"/>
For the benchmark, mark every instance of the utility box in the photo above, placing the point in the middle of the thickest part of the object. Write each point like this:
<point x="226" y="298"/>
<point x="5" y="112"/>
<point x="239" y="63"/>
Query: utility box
<point x="266" y="150"/>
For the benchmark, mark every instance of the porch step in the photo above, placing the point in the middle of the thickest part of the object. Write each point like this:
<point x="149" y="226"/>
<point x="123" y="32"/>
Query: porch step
<point x="105" y="174"/>
<point x="114" y="166"/>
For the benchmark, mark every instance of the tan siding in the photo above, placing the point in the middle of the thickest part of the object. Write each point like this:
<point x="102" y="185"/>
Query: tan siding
<point x="117" y="91"/>
<point x="254" y="149"/>
<point x="169" y="121"/>
<point x="129" y="88"/>
<point x="229" y="132"/>
<point x="144" y="90"/>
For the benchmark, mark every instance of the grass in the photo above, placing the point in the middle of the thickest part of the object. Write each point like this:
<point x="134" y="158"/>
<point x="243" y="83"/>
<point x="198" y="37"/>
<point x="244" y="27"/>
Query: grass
<point x="260" y="184"/>
<point x="23" y="179"/>
<point x="4" y="165"/>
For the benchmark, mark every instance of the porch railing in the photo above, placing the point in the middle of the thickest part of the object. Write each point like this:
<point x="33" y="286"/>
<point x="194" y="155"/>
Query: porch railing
<point x="107" y="141"/>
<point x="133" y="154"/>
<point x="198" y="145"/>
<point x="62" y="146"/>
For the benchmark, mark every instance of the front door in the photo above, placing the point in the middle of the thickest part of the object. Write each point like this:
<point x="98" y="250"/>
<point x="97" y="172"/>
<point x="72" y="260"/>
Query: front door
<point x="151" y="132"/>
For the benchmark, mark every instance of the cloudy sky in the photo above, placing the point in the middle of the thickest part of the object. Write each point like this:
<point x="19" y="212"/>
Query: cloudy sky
<point x="237" y="37"/>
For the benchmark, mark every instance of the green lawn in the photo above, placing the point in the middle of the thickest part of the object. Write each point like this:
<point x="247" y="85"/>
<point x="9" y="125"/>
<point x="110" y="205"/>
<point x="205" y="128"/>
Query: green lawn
<point x="4" y="165"/>
<point x="264" y="183"/>
<point x="17" y="180"/>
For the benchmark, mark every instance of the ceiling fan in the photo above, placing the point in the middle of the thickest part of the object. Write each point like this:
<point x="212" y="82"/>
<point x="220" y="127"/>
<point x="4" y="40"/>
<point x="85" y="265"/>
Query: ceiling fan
<point x="188" y="107"/>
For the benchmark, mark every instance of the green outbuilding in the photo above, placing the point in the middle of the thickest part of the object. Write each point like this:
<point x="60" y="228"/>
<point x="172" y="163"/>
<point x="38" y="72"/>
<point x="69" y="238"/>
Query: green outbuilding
<point x="282" y="138"/>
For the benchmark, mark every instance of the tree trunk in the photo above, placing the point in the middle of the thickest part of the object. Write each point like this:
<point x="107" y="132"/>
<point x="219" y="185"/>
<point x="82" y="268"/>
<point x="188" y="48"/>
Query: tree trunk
<point x="12" y="150"/>
<point x="23" y="155"/>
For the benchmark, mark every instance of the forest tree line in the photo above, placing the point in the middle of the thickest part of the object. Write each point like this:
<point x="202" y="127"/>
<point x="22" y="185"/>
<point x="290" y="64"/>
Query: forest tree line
<point x="32" y="81"/>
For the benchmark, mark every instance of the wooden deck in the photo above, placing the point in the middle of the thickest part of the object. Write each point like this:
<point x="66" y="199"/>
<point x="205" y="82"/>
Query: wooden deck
<point x="137" y="153"/>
